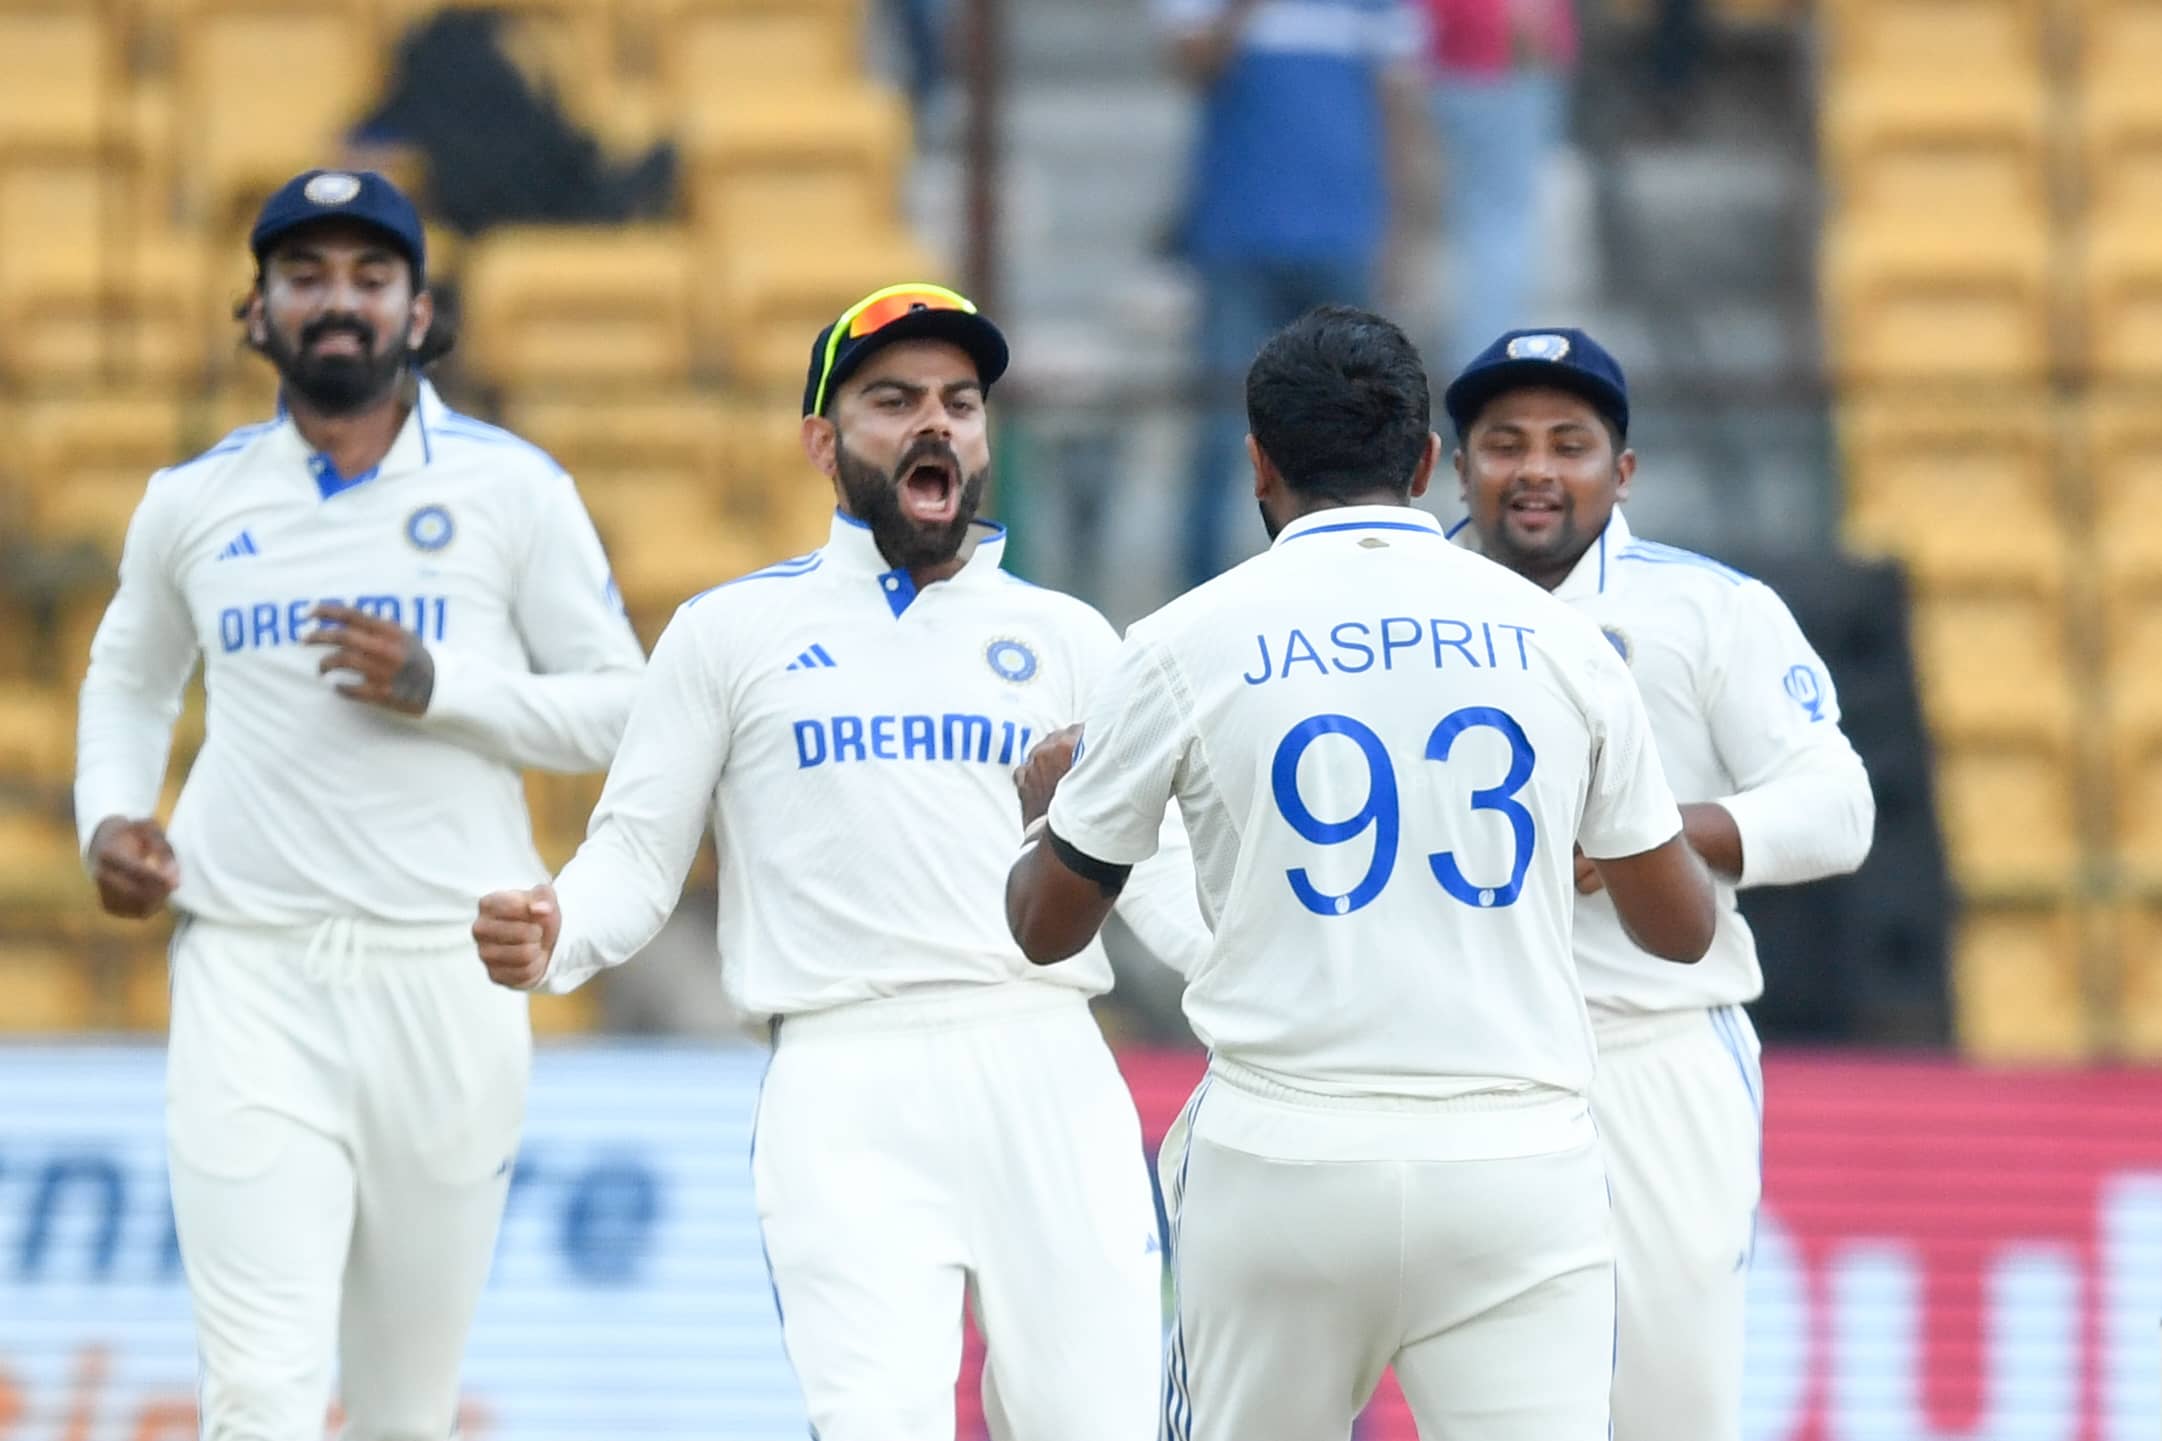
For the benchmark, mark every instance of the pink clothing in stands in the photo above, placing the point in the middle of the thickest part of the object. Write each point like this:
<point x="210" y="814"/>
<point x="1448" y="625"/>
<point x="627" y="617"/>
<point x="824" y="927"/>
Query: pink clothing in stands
<point x="1477" y="36"/>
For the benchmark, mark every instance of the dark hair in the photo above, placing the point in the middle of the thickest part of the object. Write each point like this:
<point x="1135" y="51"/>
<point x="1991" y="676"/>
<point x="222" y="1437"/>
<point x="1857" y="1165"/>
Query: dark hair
<point x="441" y="337"/>
<point x="1338" y="401"/>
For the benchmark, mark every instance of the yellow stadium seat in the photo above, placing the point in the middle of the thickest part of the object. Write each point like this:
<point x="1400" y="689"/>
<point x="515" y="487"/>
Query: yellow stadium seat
<point x="560" y="807"/>
<point x="565" y="305"/>
<point x="647" y="436"/>
<point x="785" y="170"/>
<point x="766" y="307"/>
<point x="2019" y="984"/>
<point x="46" y="989"/>
<point x="310" y="68"/>
<point x="2139" y="959"/>
<point x="1993" y="665"/>
<point x="659" y="567"/>
<point x="2121" y="457"/>
<point x="2011" y="817"/>
<point x="58" y="73"/>
<point x="2120" y="41"/>
<point x="1909" y="298"/>
<point x="715" y="52"/>
<point x="1951" y="37"/>
<point x="89" y="456"/>
<point x="37" y="735"/>
<point x="2135" y="795"/>
<point x="146" y="988"/>
<point x="1949" y="144"/>
<point x="84" y="296"/>
<point x="2120" y="139"/>
<point x="571" y="1015"/>
<point x="771" y="486"/>
<point x="39" y="865"/>
<point x="1964" y="492"/>
<point x="2120" y="291"/>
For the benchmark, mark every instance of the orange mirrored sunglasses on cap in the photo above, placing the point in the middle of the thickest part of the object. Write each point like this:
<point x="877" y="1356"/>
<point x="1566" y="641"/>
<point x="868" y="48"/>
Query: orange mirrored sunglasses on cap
<point x="874" y="313"/>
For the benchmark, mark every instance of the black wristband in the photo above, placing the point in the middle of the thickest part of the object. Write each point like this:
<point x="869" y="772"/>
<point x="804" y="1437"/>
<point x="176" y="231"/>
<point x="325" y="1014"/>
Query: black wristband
<point x="1109" y="878"/>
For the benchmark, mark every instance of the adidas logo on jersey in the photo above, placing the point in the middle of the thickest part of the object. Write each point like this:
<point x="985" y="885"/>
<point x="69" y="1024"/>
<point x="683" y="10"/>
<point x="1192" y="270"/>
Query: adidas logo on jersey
<point x="241" y="544"/>
<point x="813" y="659"/>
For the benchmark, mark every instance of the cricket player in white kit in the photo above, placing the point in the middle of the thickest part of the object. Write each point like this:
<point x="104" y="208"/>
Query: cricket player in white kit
<point x="1746" y="720"/>
<point x="940" y="1117"/>
<point x="397" y="610"/>
<point x="1385" y="750"/>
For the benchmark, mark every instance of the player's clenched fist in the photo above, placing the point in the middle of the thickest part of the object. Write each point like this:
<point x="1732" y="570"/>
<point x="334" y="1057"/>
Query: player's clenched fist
<point x="133" y="866"/>
<point x="516" y="932"/>
<point x="1038" y="776"/>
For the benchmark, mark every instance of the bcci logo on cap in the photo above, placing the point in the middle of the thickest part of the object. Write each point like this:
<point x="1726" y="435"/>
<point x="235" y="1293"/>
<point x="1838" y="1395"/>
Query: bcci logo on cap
<point x="1539" y="347"/>
<point x="331" y="189"/>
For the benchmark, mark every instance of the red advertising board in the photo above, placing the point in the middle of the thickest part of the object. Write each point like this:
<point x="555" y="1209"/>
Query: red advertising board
<point x="1944" y="1252"/>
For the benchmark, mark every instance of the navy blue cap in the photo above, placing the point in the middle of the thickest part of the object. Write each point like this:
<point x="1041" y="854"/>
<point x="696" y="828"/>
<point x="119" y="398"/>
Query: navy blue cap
<point x="1561" y="359"/>
<point x="922" y="312"/>
<point x="360" y="196"/>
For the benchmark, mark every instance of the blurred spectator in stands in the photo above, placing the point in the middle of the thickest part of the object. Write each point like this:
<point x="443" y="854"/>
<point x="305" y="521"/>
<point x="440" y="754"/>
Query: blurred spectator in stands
<point x="922" y="26"/>
<point x="1500" y="92"/>
<point x="1310" y="116"/>
<point x="1677" y="54"/>
<point x="498" y="151"/>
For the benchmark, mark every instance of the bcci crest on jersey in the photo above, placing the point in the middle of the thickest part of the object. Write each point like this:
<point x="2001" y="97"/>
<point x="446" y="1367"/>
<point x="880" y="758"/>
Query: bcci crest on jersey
<point x="429" y="528"/>
<point x="1011" y="661"/>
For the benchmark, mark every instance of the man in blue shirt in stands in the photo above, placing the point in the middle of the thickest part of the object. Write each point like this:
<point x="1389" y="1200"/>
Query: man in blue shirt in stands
<point x="1309" y="112"/>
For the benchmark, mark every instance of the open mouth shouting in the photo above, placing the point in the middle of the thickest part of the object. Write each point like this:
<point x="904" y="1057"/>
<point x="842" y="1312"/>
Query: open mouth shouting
<point x="930" y="489"/>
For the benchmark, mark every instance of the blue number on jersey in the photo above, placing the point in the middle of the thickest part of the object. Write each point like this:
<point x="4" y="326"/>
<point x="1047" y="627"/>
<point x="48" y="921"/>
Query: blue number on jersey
<point x="1381" y="813"/>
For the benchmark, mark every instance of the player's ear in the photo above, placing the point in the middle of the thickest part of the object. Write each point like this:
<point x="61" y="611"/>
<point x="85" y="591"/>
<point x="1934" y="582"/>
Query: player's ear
<point x="1625" y="466"/>
<point x="821" y="445"/>
<point x="1463" y="475"/>
<point x="1266" y="478"/>
<point x="1422" y="474"/>
<point x="416" y="327"/>
<point x="252" y="320"/>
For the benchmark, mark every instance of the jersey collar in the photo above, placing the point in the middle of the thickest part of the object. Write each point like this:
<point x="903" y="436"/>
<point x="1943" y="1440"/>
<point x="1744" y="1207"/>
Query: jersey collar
<point x="1360" y="517"/>
<point x="1595" y="572"/>
<point x="412" y="450"/>
<point x="849" y="548"/>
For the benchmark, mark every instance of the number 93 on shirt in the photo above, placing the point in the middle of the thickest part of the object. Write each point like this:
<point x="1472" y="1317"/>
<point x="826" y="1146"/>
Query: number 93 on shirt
<point x="1453" y="801"/>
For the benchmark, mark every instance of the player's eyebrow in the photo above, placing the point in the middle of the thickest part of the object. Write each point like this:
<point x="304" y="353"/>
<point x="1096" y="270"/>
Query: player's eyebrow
<point x="904" y="388"/>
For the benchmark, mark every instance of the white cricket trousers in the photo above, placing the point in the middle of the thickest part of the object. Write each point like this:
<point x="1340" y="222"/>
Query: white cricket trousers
<point x="343" y="1105"/>
<point x="976" y="1140"/>
<point x="1678" y="1101"/>
<point x="1316" y="1240"/>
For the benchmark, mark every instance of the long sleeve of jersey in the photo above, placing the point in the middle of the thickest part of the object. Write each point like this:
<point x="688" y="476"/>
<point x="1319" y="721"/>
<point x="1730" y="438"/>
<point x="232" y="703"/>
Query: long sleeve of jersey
<point x="1802" y="798"/>
<point x="140" y="661"/>
<point x="568" y="712"/>
<point x="1159" y="903"/>
<point x="620" y="888"/>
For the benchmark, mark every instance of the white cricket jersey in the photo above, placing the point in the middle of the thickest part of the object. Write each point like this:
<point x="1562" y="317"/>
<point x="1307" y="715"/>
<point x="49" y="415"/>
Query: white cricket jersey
<point x="1745" y="715"/>
<point x="852" y="741"/>
<point x="303" y="804"/>
<point x="1385" y="750"/>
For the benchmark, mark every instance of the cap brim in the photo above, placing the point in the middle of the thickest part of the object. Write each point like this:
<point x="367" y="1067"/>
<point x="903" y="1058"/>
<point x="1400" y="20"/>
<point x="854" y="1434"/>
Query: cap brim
<point x="983" y="341"/>
<point x="264" y="242"/>
<point x="1470" y="394"/>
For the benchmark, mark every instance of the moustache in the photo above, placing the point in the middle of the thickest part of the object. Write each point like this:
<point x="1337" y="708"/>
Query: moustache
<point x="929" y="450"/>
<point x="333" y="324"/>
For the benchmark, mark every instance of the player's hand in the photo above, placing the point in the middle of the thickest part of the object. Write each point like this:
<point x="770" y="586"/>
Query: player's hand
<point x="133" y="865"/>
<point x="516" y="932"/>
<point x="1045" y="766"/>
<point x="1587" y="875"/>
<point x="395" y="669"/>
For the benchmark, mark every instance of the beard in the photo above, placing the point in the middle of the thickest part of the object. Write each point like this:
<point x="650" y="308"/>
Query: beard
<point x="336" y="384"/>
<point x="874" y="497"/>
